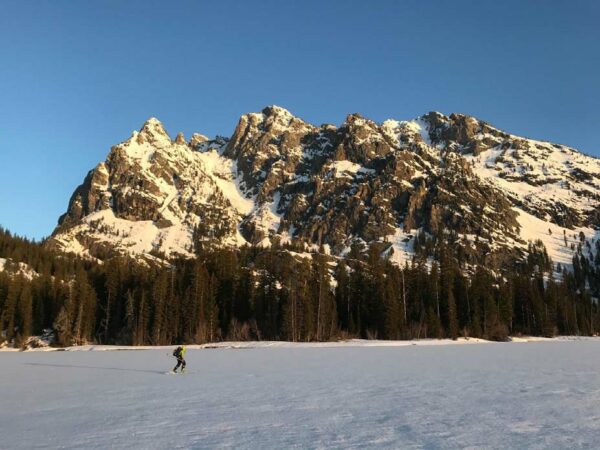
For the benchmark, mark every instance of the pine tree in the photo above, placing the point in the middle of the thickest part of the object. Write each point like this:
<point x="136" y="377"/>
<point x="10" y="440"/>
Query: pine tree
<point x="24" y="314"/>
<point x="342" y="296"/>
<point x="159" y="296"/>
<point x="393" y="314"/>
<point x="8" y="316"/>
<point x="506" y="307"/>
<point x="128" y="333"/>
<point x="447" y="273"/>
<point x="212" y="310"/>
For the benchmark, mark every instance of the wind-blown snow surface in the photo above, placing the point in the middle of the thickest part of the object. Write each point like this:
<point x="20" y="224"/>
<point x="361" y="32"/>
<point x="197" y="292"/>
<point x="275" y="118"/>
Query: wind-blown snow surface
<point x="529" y="395"/>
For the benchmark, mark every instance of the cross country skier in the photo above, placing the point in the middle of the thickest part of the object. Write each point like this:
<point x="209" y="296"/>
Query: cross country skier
<point x="179" y="353"/>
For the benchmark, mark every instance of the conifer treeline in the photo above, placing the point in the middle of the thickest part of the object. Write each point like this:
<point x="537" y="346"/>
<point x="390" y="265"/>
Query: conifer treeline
<point x="273" y="294"/>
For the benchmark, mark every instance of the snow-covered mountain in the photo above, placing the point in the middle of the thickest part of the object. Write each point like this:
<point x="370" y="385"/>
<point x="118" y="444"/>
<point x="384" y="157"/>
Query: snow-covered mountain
<point x="336" y="190"/>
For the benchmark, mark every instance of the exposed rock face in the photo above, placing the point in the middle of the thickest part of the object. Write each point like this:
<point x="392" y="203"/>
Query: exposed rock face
<point x="280" y="178"/>
<point x="150" y="195"/>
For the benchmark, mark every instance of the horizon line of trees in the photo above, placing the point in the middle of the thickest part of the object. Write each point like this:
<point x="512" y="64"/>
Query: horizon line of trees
<point x="268" y="294"/>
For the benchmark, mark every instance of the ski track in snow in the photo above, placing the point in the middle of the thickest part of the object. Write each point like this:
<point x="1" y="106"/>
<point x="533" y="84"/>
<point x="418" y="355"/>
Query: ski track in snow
<point x="534" y="395"/>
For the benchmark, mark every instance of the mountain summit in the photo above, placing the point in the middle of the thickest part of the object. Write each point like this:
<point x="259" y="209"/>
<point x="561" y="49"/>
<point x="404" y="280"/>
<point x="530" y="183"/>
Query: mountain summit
<point x="392" y="186"/>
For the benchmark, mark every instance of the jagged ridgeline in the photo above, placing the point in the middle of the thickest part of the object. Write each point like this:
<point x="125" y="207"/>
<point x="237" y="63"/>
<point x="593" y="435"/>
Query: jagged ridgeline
<point x="396" y="186"/>
<point x="437" y="226"/>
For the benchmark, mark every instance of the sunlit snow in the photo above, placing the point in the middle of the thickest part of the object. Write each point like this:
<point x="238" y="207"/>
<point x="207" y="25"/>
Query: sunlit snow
<point x="515" y="395"/>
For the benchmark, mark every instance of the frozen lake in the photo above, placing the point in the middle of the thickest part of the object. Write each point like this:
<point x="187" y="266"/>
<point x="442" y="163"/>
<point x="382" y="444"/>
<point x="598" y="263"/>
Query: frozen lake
<point x="516" y="395"/>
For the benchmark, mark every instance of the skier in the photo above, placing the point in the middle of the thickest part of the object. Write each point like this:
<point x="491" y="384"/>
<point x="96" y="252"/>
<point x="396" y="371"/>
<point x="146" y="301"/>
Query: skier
<point x="179" y="353"/>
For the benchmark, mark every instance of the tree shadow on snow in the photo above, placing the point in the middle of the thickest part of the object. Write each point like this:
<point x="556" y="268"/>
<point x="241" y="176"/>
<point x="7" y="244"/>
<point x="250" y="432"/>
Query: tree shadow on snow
<point x="96" y="367"/>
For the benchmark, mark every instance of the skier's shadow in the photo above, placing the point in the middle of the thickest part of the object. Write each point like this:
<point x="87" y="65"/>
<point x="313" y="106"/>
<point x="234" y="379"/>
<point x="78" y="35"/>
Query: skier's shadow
<point x="70" y="366"/>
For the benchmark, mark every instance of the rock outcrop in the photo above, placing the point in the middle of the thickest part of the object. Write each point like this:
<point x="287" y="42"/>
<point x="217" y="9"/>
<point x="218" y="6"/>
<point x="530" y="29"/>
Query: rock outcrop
<point x="279" y="178"/>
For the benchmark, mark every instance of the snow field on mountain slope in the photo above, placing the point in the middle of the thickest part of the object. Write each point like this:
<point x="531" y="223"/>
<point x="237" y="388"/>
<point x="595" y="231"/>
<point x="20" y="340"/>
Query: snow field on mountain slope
<point x="543" y="162"/>
<point x="136" y="236"/>
<point x="224" y="172"/>
<point x="554" y="237"/>
<point x="530" y="395"/>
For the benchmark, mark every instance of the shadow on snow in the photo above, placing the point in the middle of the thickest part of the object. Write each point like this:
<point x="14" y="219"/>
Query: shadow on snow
<point x="161" y="372"/>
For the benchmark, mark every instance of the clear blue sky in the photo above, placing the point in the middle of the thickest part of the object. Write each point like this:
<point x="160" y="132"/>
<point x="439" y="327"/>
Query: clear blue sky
<point x="78" y="77"/>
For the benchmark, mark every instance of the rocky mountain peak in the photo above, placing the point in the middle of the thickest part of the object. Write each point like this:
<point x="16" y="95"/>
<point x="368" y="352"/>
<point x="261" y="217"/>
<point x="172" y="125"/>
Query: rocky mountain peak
<point x="197" y="139"/>
<point x="282" y="179"/>
<point x="463" y="133"/>
<point x="266" y="133"/>
<point x="277" y="111"/>
<point x="354" y="118"/>
<point x="153" y="131"/>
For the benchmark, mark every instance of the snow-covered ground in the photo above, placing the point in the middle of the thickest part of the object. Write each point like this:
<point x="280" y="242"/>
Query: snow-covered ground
<point x="485" y="395"/>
